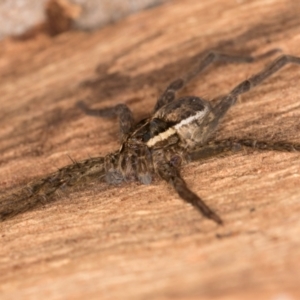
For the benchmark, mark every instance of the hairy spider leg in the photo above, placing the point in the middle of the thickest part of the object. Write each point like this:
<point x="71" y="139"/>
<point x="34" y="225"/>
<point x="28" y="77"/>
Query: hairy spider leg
<point x="229" y="100"/>
<point x="171" y="174"/>
<point x="169" y="94"/>
<point x="121" y="111"/>
<point x="222" y="147"/>
<point x="40" y="191"/>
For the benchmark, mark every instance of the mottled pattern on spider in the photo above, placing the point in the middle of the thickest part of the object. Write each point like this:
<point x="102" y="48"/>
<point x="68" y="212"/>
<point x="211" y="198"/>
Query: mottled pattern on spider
<point x="178" y="131"/>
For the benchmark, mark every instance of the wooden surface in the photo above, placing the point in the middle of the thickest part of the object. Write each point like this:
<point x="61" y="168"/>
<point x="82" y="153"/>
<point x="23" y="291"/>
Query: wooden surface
<point x="143" y="242"/>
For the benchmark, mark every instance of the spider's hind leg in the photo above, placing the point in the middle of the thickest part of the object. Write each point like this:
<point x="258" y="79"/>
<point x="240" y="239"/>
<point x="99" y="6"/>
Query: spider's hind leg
<point x="121" y="111"/>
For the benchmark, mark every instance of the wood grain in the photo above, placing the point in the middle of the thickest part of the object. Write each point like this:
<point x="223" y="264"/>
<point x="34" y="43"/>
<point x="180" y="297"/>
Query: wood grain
<point x="143" y="242"/>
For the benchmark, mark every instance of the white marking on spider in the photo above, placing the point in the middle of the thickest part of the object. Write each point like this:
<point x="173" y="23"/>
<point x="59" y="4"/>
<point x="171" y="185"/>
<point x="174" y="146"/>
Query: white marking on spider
<point x="174" y="129"/>
<point x="198" y="116"/>
<point x="161" y="137"/>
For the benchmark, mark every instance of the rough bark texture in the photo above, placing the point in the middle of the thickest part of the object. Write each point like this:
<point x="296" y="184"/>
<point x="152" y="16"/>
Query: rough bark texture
<point x="143" y="242"/>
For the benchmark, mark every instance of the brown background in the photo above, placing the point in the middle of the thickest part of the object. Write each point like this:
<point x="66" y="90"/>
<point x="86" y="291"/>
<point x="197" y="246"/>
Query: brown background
<point x="143" y="242"/>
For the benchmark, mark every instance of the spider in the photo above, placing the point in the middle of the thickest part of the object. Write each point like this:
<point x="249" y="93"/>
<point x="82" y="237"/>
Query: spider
<point x="178" y="131"/>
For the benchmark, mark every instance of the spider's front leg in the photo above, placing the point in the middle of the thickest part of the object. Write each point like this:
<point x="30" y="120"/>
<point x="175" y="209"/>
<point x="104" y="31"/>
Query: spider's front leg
<point x="229" y="100"/>
<point x="169" y="94"/>
<point x="171" y="174"/>
<point x="210" y="123"/>
<point x="121" y="111"/>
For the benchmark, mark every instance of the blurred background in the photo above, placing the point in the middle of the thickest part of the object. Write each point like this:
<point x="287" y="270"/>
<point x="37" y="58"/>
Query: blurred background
<point x="22" y="17"/>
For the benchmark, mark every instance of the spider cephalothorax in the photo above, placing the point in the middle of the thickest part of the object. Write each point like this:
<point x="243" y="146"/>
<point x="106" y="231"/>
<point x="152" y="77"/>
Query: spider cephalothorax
<point x="178" y="131"/>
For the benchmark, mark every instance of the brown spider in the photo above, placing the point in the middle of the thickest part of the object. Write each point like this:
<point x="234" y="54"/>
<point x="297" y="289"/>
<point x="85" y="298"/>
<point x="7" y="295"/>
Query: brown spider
<point x="178" y="131"/>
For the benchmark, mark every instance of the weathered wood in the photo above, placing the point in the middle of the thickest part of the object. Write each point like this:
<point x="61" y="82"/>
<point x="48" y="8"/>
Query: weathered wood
<point x="143" y="242"/>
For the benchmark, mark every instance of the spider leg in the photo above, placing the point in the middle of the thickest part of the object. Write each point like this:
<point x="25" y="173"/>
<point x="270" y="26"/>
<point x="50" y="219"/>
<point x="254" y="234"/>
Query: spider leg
<point x="121" y="111"/>
<point x="169" y="94"/>
<point x="213" y="149"/>
<point x="229" y="100"/>
<point x="171" y="174"/>
<point x="282" y="146"/>
<point x="227" y="146"/>
<point x="41" y="191"/>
